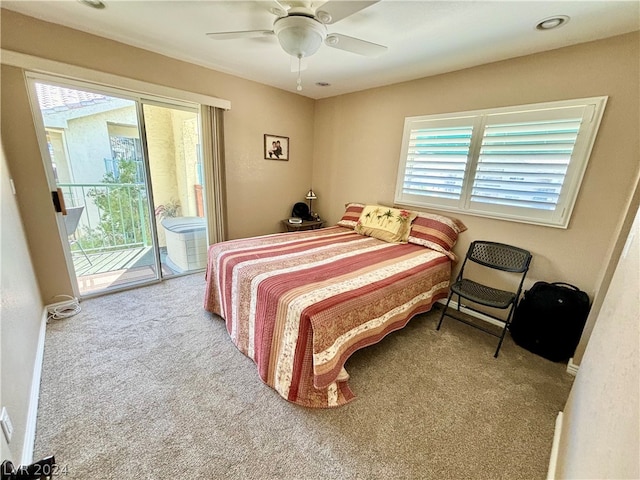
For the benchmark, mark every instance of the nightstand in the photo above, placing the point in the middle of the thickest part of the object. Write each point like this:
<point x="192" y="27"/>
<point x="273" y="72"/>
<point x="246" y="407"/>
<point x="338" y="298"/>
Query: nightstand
<point x="305" y="225"/>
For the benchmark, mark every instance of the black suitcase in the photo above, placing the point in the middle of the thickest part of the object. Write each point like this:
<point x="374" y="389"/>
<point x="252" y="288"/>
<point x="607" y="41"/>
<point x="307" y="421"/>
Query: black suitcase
<point x="549" y="319"/>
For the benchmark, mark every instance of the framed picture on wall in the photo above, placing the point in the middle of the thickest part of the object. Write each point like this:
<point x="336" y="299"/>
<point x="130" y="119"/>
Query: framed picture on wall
<point x="275" y="147"/>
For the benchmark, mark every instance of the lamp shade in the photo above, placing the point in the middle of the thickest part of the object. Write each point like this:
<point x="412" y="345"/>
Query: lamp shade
<point x="299" y="35"/>
<point x="311" y="195"/>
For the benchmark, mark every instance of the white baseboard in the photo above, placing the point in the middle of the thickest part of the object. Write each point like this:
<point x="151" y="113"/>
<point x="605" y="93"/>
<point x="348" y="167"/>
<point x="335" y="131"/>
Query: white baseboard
<point x="572" y="368"/>
<point x="473" y="313"/>
<point x="553" y="461"/>
<point x="32" y="414"/>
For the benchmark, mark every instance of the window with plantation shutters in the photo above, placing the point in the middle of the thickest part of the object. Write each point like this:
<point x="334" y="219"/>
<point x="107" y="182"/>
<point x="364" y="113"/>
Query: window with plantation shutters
<point x="520" y="163"/>
<point x="436" y="158"/>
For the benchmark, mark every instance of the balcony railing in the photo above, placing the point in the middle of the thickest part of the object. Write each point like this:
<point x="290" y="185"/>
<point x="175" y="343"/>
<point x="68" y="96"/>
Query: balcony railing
<point x="116" y="215"/>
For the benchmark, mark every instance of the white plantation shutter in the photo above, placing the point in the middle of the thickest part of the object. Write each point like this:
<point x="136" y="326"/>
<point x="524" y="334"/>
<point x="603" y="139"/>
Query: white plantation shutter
<point x="436" y="159"/>
<point x="517" y="163"/>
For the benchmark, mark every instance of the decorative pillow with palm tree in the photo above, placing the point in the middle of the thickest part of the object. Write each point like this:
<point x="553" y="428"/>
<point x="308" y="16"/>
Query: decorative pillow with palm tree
<point x="385" y="223"/>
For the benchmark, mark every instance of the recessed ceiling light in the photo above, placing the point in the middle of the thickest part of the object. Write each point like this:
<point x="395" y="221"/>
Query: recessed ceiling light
<point x="552" y="22"/>
<point x="93" y="4"/>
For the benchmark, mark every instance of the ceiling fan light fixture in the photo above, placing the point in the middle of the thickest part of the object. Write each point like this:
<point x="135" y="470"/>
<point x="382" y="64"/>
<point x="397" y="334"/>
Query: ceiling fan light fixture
<point x="299" y="36"/>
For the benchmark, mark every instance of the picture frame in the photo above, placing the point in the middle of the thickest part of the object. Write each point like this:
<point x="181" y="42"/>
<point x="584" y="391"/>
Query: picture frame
<point x="276" y="147"/>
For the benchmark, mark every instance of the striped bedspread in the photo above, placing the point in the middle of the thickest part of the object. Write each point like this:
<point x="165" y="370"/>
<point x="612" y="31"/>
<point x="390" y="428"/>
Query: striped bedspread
<point x="299" y="304"/>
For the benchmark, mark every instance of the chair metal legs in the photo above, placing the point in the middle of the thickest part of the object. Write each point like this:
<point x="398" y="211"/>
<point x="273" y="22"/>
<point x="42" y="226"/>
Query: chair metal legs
<point x="445" y="310"/>
<point x="504" y="330"/>
<point x="479" y="327"/>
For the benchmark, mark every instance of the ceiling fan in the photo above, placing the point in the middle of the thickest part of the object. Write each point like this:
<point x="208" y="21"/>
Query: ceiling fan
<point x="300" y="28"/>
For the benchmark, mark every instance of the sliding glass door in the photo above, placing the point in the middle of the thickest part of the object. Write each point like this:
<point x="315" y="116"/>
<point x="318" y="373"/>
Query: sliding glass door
<point x="178" y="187"/>
<point x="127" y="170"/>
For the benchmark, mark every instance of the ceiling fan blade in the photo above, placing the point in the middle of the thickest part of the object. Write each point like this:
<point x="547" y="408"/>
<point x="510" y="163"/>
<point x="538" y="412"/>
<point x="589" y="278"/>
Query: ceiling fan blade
<point x="354" y="45"/>
<point x="338" y="10"/>
<point x="239" y="34"/>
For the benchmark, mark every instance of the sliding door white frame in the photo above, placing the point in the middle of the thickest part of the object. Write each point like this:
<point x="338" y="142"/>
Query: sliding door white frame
<point x="210" y="111"/>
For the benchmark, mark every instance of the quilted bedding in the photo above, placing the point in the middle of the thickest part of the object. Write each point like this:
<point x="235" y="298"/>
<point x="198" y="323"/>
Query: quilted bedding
<point x="299" y="304"/>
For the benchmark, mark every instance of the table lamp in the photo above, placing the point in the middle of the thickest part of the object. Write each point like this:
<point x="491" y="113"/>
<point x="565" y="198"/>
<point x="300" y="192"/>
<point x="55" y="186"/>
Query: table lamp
<point x="310" y="196"/>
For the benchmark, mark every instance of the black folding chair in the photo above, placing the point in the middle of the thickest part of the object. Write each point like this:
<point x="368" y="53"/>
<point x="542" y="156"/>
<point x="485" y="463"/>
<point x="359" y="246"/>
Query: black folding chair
<point x="497" y="256"/>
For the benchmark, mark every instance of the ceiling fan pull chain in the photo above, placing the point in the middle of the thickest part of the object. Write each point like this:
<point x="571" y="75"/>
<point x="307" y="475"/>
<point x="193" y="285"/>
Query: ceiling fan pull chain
<point x="299" y="82"/>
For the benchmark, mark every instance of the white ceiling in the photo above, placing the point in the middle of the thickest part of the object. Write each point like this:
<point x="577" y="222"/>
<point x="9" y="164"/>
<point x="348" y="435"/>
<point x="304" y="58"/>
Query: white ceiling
<point x="423" y="37"/>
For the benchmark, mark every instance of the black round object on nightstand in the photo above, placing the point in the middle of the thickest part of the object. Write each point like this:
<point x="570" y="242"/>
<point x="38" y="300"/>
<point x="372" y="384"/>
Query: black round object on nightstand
<point x="301" y="210"/>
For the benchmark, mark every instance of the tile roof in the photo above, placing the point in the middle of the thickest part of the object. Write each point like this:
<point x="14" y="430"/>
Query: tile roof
<point x="54" y="98"/>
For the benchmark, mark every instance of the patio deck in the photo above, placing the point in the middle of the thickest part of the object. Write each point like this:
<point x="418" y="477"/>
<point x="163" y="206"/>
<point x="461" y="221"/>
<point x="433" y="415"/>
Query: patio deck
<point x="110" y="261"/>
<point x="109" y="269"/>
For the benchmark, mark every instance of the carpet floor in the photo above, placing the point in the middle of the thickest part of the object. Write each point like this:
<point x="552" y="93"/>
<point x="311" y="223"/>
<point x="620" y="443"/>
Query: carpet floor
<point x="145" y="384"/>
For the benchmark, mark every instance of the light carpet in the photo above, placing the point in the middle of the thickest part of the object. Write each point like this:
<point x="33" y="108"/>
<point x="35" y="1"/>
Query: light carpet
<point x="145" y="384"/>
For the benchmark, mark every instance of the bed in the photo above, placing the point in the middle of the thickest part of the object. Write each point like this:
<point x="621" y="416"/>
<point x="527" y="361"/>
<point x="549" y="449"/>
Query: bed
<point x="299" y="304"/>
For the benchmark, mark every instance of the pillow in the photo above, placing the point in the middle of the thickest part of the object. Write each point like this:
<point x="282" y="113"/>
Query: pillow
<point x="436" y="232"/>
<point x="385" y="223"/>
<point x="351" y="215"/>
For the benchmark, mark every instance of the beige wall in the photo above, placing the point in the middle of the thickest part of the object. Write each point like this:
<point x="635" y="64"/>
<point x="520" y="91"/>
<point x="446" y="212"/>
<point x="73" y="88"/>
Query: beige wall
<point x="259" y="192"/>
<point x="600" y="436"/>
<point x="33" y="197"/>
<point x="21" y="312"/>
<point x="358" y="136"/>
